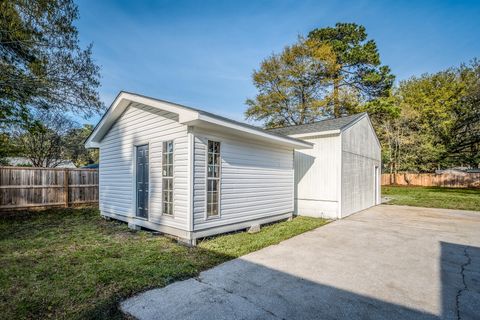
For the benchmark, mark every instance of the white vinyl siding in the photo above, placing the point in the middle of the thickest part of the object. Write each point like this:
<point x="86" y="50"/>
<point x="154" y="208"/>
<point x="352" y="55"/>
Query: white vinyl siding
<point x="360" y="154"/>
<point x="337" y="177"/>
<point x="138" y="125"/>
<point x="256" y="180"/>
<point x="317" y="177"/>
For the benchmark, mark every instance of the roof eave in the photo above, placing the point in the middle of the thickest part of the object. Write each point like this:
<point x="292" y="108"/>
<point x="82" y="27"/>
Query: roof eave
<point x="261" y="134"/>
<point x="186" y="116"/>
<point x="120" y="104"/>
<point x="315" y="134"/>
<point x="310" y="131"/>
<point x="351" y="123"/>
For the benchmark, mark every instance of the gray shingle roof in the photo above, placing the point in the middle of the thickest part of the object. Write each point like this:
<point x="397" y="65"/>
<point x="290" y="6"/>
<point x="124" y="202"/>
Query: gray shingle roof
<point x="323" y="125"/>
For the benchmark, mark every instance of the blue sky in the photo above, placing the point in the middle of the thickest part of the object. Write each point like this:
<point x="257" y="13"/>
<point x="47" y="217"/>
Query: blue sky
<point x="202" y="53"/>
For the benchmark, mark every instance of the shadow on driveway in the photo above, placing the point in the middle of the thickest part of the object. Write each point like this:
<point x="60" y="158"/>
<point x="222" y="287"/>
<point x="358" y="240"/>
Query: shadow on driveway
<point x="369" y="276"/>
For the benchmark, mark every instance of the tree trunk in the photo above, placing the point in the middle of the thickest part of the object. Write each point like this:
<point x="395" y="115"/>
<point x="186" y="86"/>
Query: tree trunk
<point x="336" y="98"/>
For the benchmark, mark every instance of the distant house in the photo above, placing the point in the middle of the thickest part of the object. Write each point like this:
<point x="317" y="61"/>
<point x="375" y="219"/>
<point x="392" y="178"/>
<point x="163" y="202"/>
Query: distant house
<point x="22" y="161"/>
<point x="192" y="174"/>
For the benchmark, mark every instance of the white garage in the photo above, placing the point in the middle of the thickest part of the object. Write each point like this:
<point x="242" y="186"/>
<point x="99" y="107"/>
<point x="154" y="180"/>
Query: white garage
<point x="340" y="175"/>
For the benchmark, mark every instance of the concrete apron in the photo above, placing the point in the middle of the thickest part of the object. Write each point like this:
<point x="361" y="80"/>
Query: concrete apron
<point x="390" y="262"/>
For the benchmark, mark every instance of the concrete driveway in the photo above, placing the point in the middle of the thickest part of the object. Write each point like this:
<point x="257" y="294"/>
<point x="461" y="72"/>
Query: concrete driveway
<point x="387" y="262"/>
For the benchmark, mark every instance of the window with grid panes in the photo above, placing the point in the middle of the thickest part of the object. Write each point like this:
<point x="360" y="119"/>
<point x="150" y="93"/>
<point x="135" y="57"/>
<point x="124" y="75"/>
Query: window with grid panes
<point x="167" y="178"/>
<point x="213" y="179"/>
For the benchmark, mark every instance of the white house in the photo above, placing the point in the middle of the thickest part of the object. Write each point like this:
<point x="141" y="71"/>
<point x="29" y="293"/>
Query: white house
<point x="192" y="174"/>
<point x="340" y="175"/>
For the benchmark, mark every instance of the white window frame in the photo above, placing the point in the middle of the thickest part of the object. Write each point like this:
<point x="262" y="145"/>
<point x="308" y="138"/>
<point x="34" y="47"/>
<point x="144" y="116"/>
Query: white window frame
<point x="172" y="177"/>
<point x="218" y="179"/>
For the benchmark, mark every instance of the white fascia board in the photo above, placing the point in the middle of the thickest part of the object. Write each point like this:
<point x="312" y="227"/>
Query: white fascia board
<point x="92" y="145"/>
<point x="116" y="109"/>
<point x="295" y="143"/>
<point x="121" y="102"/>
<point x="351" y="124"/>
<point x="315" y="134"/>
<point x="374" y="132"/>
<point x="371" y="127"/>
<point x="185" y="116"/>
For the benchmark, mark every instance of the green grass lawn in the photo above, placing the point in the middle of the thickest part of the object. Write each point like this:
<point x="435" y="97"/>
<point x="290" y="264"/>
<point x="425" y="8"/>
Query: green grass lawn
<point x="70" y="263"/>
<point x="434" y="197"/>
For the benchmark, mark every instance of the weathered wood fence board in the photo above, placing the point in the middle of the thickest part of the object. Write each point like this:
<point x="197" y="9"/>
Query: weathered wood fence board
<point x="451" y="180"/>
<point x="22" y="187"/>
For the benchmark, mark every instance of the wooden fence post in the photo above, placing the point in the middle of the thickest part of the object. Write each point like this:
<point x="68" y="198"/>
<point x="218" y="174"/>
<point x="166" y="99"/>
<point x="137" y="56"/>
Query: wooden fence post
<point x="65" y="187"/>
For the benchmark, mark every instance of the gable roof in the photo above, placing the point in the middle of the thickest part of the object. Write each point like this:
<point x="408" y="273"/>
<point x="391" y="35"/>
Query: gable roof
<point x="187" y="116"/>
<point x="330" y="125"/>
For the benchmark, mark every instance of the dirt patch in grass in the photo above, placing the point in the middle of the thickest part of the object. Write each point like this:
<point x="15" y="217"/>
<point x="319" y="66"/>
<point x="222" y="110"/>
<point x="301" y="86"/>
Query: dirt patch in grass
<point x="70" y="263"/>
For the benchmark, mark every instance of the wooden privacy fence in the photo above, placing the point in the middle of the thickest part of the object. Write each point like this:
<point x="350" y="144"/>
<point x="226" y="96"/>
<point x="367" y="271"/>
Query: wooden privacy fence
<point x="451" y="180"/>
<point x="22" y="188"/>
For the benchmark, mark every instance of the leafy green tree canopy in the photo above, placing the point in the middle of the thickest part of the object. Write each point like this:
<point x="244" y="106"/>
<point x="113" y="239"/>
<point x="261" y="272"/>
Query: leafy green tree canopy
<point x="41" y="63"/>
<point x="359" y="70"/>
<point x="74" y="142"/>
<point x="444" y="110"/>
<point x="41" y="139"/>
<point x="290" y="85"/>
<point x="431" y="121"/>
<point x="328" y="74"/>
